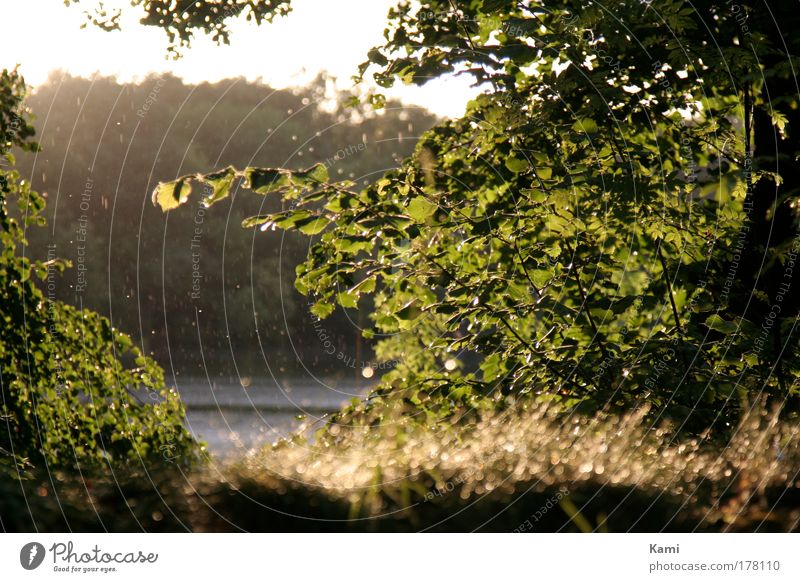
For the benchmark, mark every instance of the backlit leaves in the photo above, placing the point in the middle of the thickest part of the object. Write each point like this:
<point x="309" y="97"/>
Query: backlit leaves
<point x="170" y="195"/>
<point x="551" y="235"/>
<point x="218" y="185"/>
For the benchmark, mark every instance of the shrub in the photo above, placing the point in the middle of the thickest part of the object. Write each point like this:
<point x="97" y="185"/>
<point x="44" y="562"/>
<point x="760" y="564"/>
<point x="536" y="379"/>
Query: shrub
<point x="75" y="391"/>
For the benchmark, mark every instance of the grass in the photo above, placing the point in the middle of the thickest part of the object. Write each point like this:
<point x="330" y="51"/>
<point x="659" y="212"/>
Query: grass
<point x="527" y="469"/>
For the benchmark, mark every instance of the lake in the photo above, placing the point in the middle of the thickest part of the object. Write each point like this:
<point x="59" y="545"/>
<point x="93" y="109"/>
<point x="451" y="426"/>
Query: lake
<point x="233" y="417"/>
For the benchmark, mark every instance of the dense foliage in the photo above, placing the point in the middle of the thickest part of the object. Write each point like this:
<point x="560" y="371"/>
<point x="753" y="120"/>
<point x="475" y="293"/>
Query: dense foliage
<point x="76" y="393"/>
<point x="606" y="225"/>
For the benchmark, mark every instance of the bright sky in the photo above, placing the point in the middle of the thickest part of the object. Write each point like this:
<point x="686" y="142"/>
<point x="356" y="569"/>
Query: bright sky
<point x="329" y="35"/>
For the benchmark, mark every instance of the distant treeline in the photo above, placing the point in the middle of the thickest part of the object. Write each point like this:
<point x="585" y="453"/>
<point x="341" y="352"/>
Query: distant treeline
<point x="194" y="288"/>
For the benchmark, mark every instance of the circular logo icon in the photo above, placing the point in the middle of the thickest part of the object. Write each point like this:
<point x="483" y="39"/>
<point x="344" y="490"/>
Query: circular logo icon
<point x="31" y="555"/>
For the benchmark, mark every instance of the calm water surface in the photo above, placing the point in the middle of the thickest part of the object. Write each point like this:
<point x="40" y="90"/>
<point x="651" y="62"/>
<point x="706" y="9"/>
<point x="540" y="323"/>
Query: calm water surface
<point x="233" y="418"/>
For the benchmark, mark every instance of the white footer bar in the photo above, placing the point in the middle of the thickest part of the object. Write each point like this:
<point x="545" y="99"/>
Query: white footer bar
<point x="401" y="557"/>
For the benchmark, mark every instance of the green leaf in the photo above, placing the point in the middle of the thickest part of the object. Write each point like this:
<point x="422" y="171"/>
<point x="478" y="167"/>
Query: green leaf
<point x="541" y="278"/>
<point x="301" y="220"/>
<point x="750" y="359"/>
<point x="342" y="201"/>
<point x="269" y="180"/>
<point x="348" y="299"/>
<point x="491" y="367"/>
<point x="291" y="218"/>
<point x="716" y="323"/>
<point x="312" y="225"/>
<point x="535" y="195"/>
<point x="265" y="180"/>
<point x="585" y="125"/>
<point x="779" y="120"/>
<point x="365" y="286"/>
<point x="352" y="244"/>
<point x="420" y="209"/>
<point x="220" y="183"/>
<point x="376" y="57"/>
<point x="314" y="176"/>
<point x="170" y="195"/>
<point x="322" y="309"/>
<point x="516" y="165"/>
<point x="378" y="101"/>
<point x="254" y="221"/>
<point x="408" y="313"/>
<point x="622" y="305"/>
